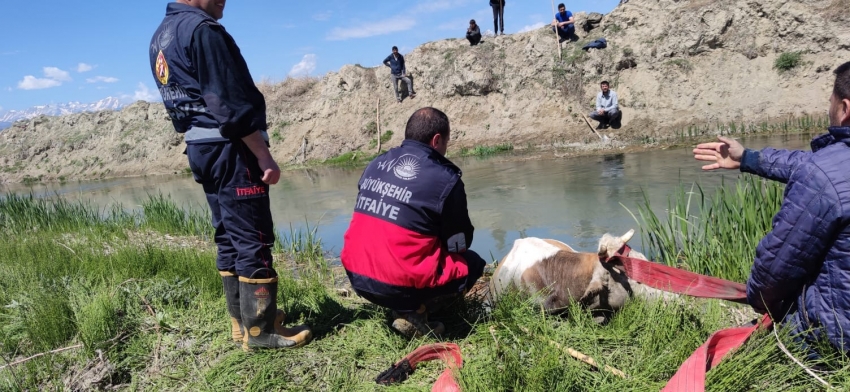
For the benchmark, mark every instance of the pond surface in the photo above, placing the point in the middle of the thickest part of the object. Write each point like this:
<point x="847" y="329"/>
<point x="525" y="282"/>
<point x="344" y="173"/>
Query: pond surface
<point x="574" y="200"/>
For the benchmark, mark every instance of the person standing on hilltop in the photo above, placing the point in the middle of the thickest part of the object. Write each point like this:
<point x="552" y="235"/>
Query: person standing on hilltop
<point x="407" y="246"/>
<point x="473" y="33"/>
<point x="213" y="101"/>
<point x="564" y="23"/>
<point x="607" y="108"/>
<point x="398" y="71"/>
<point x="498" y="16"/>
<point x="801" y="272"/>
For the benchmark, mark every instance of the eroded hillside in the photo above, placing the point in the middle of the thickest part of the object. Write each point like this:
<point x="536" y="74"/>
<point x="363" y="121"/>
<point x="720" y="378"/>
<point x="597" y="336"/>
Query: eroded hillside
<point x="673" y="63"/>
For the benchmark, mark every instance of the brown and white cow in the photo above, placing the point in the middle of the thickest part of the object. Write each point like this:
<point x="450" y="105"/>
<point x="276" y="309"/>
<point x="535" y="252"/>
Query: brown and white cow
<point x="556" y="275"/>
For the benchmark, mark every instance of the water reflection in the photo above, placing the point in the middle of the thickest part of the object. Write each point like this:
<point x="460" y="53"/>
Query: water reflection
<point x="572" y="199"/>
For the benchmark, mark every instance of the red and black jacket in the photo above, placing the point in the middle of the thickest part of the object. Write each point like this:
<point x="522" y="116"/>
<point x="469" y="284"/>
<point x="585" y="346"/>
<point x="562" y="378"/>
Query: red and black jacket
<point x="410" y="225"/>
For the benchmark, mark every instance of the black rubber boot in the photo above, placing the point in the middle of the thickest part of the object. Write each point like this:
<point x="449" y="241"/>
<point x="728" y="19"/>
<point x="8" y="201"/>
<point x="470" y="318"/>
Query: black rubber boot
<point x="416" y="324"/>
<point x="262" y="321"/>
<point x="231" y="293"/>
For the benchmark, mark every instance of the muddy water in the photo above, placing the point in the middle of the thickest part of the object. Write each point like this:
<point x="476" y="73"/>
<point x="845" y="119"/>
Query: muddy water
<point x="575" y="200"/>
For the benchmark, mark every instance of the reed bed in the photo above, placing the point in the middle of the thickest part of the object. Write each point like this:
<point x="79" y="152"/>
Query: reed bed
<point x="121" y="300"/>
<point x="712" y="234"/>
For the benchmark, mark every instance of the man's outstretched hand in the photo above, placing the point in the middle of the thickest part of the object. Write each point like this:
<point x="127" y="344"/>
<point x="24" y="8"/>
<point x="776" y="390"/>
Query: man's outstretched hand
<point x="725" y="154"/>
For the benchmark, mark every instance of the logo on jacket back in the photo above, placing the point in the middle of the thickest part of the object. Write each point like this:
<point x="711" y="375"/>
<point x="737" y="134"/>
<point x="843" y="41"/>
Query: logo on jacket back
<point x="160" y="43"/>
<point x="161" y="68"/>
<point x="407" y="167"/>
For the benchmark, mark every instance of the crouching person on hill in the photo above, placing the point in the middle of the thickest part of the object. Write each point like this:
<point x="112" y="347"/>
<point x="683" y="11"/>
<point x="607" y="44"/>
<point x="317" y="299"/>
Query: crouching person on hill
<point x="213" y="101"/>
<point x="607" y="108"/>
<point x="801" y="268"/>
<point x="407" y="246"/>
<point x="473" y="33"/>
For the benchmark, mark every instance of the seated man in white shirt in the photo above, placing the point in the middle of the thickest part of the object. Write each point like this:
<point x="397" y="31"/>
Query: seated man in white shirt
<point x="607" y="109"/>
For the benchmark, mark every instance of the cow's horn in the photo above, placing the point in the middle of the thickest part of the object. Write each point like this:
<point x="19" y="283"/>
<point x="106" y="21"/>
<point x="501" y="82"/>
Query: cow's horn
<point x="626" y="237"/>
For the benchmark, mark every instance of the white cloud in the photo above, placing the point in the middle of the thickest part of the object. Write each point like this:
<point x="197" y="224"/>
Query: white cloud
<point x="392" y="25"/>
<point x="322" y="16"/>
<point x="33" y="83"/>
<point x="83" y="67"/>
<point x="143" y="93"/>
<point x="532" y="27"/>
<point x="306" y="66"/>
<point x="57" y="74"/>
<point x="103" y="79"/>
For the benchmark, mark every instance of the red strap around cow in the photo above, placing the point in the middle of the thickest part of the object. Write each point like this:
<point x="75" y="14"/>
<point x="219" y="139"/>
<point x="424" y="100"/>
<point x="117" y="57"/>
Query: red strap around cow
<point x="447" y="352"/>
<point x="679" y="281"/>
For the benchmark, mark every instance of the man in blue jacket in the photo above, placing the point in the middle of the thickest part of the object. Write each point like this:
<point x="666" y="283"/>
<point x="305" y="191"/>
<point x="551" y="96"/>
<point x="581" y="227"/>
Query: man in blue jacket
<point x="564" y="23"/>
<point x="801" y="273"/>
<point x="407" y="246"/>
<point x="398" y="71"/>
<point x="212" y="100"/>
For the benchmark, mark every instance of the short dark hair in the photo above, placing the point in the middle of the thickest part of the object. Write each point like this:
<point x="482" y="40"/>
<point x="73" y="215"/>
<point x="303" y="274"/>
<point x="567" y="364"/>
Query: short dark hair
<point x="561" y="6"/>
<point x="395" y="47"/>
<point x="605" y="82"/>
<point x="425" y="123"/>
<point x="841" y="89"/>
<point x="472" y="21"/>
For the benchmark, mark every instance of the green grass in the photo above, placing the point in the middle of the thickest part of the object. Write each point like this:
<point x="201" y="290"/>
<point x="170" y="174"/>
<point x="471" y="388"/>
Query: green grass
<point x="141" y="307"/>
<point x="787" y="61"/>
<point x="480" y="151"/>
<point x="682" y="64"/>
<point x="799" y="125"/>
<point x="713" y="234"/>
<point x="385" y="137"/>
<point x="350" y="159"/>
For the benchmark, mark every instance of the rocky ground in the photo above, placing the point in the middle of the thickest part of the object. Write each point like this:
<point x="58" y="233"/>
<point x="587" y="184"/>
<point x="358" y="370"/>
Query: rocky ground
<point x="674" y="64"/>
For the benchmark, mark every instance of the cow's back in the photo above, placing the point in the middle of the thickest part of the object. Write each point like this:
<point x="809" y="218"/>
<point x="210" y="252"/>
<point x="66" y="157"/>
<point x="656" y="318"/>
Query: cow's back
<point x="521" y="266"/>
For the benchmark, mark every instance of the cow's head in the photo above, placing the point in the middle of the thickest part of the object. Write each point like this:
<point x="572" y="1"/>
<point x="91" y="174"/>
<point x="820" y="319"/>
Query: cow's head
<point x="609" y="245"/>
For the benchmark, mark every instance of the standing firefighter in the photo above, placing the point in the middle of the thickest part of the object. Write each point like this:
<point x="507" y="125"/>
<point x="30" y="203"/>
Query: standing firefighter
<point x="212" y="100"/>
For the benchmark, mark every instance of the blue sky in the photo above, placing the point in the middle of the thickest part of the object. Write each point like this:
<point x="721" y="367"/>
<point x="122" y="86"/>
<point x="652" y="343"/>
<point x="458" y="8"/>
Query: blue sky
<point x="59" y="51"/>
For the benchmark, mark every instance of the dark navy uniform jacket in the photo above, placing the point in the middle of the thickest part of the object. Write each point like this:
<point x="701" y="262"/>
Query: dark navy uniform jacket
<point x="409" y="225"/>
<point x="396" y="64"/>
<point x="203" y="79"/>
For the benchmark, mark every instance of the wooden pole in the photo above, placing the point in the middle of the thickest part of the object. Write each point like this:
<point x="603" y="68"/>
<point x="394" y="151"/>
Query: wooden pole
<point x="581" y="357"/>
<point x="378" y="123"/>
<point x="586" y="121"/>
<point x="557" y="37"/>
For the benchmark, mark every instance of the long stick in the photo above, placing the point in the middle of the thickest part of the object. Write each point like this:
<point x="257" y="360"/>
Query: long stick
<point x="58" y="350"/>
<point x="581" y="357"/>
<point x="586" y="121"/>
<point x="378" y="123"/>
<point x="557" y="37"/>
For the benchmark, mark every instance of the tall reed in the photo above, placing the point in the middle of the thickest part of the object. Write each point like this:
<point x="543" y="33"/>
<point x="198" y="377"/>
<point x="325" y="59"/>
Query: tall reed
<point x="712" y="234"/>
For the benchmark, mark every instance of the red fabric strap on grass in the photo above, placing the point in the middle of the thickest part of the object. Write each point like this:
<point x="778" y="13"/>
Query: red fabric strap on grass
<point x="449" y="353"/>
<point x="691" y="375"/>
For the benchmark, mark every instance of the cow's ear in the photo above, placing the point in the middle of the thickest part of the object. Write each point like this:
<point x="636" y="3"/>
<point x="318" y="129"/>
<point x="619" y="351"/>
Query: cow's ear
<point x="626" y="237"/>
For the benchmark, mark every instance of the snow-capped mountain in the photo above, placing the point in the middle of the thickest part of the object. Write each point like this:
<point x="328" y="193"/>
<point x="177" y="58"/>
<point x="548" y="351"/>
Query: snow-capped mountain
<point x="108" y="103"/>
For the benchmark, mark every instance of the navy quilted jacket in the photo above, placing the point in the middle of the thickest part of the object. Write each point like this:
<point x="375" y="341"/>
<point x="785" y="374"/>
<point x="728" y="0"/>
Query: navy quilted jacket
<point x="803" y="263"/>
